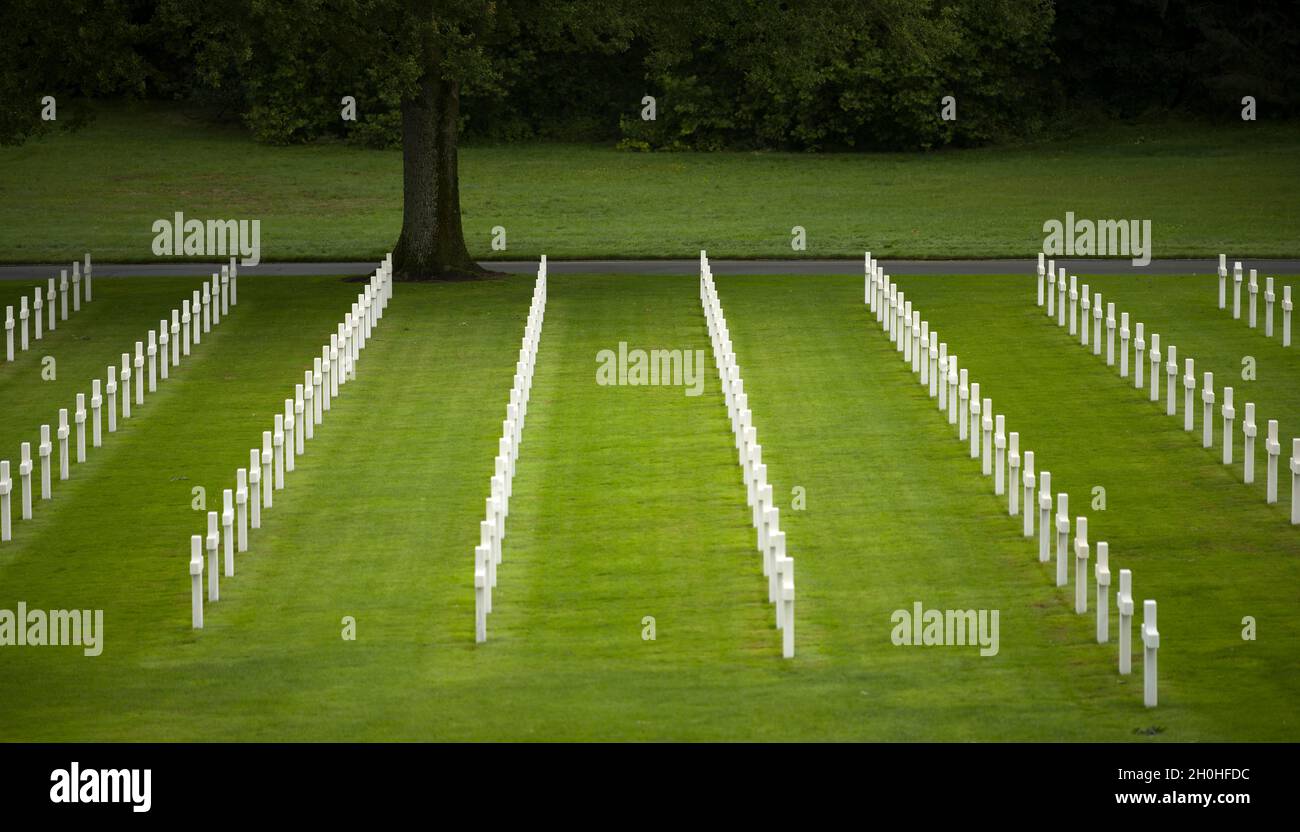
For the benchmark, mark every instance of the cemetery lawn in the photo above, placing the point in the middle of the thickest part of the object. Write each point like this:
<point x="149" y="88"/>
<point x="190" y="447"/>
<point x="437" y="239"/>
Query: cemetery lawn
<point x="1205" y="190"/>
<point x="628" y="503"/>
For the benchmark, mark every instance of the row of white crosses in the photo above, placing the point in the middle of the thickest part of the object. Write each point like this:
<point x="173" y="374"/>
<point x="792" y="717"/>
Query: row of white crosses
<point x="255" y="486"/>
<point x="778" y="567"/>
<point x="1012" y="473"/>
<point x="45" y="315"/>
<point x="492" y="529"/>
<point x="218" y="296"/>
<point x="1270" y="299"/>
<point x="1052" y="295"/>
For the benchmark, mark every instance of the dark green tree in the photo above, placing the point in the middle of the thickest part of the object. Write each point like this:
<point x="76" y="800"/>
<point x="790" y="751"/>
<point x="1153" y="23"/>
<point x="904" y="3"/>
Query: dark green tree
<point x="408" y="63"/>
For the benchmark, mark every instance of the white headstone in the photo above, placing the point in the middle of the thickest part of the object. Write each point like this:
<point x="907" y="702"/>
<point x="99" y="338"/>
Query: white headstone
<point x="1060" y="290"/>
<point x="1074" y="304"/>
<point x="63" y="294"/>
<point x="481" y="590"/>
<point x="9" y="333"/>
<point x="1155" y="367"/>
<point x="1097" y="315"/>
<point x="25" y="476"/>
<point x="963" y="394"/>
<point x="76" y="286"/>
<point x="1102" y="573"/>
<point x="302" y="413"/>
<point x="1229" y="414"/>
<point x="1124" y="604"/>
<point x="241" y="508"/>
<point x="939" y="379"/>
<point x="228" y="529"/>
<point x="316" y="397"/>
<point x="1248" y="431"/>
<point x="1045" y="525"/>
<point x="1254" y="294"/>
<point x="1223" y="281"/>
<point x="1062" y="538"/>
<point x="1207" y="411"/>
<point x="277" y="439"/>
<point x="185" y="328"/>
<point x="1171" y="373"/>
<point x="1081" y="565"/>
<point x="952" y="389"/>
<point x="152" y="352"/>
<point x="290" y="432"/>
<point x="208" y="312"/>
<point x="1086" y="318"/>
<point x="6" y="488"/>
<point x="975" y="420"/>
<point x="23" y="316"/>
<point x="1027" y="482"/>
<point x="163" y="340"/>
<point x="79" y="415"/>
<point x="214" y="567"/>
<point x="1236" y="290"/>
<point x="176" y="338"/>
<point x="1189" y="390"/>
<point x="1110" y="335"/>
<point x="999" y="455"/>
<point x="986" y="428"/>
<point x="268" y="476"/>
<point x="51" y="305"/>
<point x="37" y="306"/>
<point x="1286" y="316"/>
<point x="785" y="566"/>
<point x="1051" y="288"/>
<point x="1041" y="273"/>
<point x="1269" y="299"/>
<point x="89" y="285"/>
<point x="196" y="582"/>
<point x="1295" y="482"/>
<point x="138" y="376"/>
<point x="1273" y="449"/>
<point x="1139" y="348"/>
<point x="1151" y="644"/>
<point x="63" y="443"/>
<point x="255" y="489"/>
<point x="1124" y="336"/>
<point x="45" y="449"/>
<point x="110" y="389"/>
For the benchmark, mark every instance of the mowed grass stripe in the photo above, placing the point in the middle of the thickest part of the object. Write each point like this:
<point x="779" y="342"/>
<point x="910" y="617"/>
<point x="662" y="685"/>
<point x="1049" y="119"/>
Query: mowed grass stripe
<point x="1201" y="543"/>
<point x="627" y="503"/>
<point x="364" y="529"/>
<point x="83" y="347"/>
<point x="1184" y="309"/>
<point x="897" y="513"/>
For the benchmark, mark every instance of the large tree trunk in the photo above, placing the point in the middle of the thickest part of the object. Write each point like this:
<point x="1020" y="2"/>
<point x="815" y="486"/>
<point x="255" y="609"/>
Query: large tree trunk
<point x="432" y="244"/>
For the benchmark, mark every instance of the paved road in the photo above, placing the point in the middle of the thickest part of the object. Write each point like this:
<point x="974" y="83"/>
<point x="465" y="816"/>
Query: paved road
<point x="899" y="267"/>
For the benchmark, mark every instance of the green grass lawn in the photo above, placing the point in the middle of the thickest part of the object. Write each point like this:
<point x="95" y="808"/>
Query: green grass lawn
<point x="1205" y="190"/>
<point x="628" y="503"/>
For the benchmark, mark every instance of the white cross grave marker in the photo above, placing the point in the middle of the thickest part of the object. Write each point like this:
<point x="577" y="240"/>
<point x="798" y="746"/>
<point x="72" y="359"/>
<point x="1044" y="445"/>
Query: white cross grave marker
<point x="25" y="475"/>
<point x="1151" y="643"/>
<point x="214" y="563"/>
<point x="1044" y="516"/>
<point x="1062" y="537"/>
<point x="1207" y="411"/>
<point x="1124" y="603"/>
<point x="1249" y="430"/>
<point x="1027" y="482"/>
<point x="1081" y="565"/>
<point x="1273" y="449"/>
<point x="228" y="529"/>
<point x="196" y="582"/>
<point x="1102" y="574"/>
